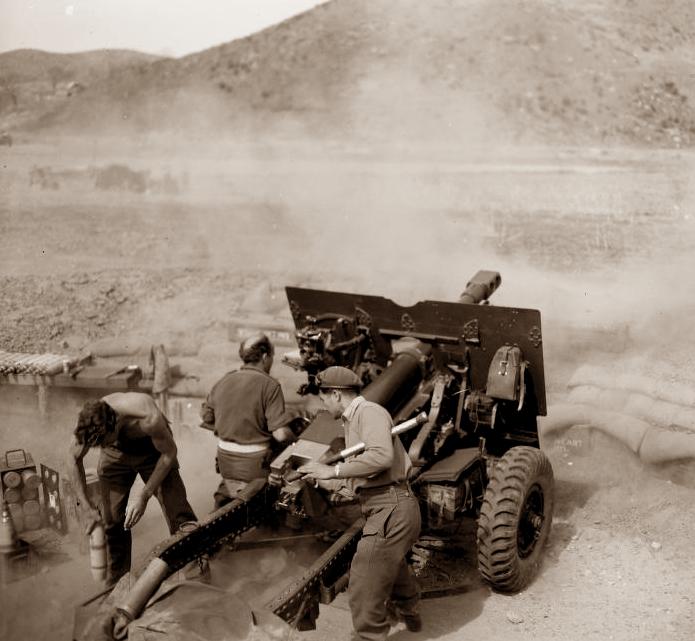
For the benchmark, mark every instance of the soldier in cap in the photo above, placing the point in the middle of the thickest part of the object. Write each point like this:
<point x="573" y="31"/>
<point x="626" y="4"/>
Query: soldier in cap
<point x="381" y="582"/>
<point x="246" y="410"/>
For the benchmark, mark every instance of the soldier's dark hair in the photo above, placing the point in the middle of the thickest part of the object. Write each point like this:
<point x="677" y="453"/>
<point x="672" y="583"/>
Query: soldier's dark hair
<point x="95" y="421"/>
<point x="252" y="348"/>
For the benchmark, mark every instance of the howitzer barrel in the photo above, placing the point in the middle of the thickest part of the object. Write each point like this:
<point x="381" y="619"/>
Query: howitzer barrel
<point x="480" y="287"/>
<point x="400" y="379"/>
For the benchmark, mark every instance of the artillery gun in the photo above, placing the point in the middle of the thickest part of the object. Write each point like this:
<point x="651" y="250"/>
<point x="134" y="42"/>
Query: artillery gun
<point x="468" y="379"/>
<point x="477" y="372"/>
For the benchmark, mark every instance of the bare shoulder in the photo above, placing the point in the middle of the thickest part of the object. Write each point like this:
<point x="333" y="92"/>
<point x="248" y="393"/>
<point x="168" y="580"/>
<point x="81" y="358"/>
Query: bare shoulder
<point x="134" y="404"/>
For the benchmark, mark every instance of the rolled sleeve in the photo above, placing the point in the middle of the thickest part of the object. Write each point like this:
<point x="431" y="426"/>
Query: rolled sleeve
<point x="275" y="414"/>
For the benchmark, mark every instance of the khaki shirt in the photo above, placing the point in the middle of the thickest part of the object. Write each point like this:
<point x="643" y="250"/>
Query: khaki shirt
<point x="247" y="406"/>
<point x="384" y="460"/>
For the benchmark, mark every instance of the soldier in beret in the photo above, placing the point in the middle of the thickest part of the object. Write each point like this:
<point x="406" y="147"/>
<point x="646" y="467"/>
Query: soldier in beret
<point x="381" y="581"/>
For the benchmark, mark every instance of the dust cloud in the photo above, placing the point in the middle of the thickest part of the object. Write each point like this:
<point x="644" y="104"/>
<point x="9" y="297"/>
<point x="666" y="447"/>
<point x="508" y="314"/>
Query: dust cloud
<point x="593" y="242"/>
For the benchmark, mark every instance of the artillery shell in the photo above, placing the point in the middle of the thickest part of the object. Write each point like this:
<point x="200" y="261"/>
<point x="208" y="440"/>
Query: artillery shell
<point x="13" y="495"/>
<point x="31" y="507"/>
<point x="12" y="479"/>
<point x="97" y="552"/>
<point x="31" y="479"/>
<point x="32" y="521"/>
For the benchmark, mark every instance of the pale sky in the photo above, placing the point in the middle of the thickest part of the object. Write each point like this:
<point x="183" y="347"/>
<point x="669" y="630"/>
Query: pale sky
<point x="169" y="27"/>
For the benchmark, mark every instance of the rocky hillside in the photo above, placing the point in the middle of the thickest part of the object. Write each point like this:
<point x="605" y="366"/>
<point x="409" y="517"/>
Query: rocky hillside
<point x="557" y="71"/>
<point x="33" y="82"/>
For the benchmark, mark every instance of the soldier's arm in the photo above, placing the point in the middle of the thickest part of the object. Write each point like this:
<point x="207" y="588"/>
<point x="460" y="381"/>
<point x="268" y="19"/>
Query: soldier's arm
<point x="284" y="435"/>
<point x="152" y="422"/>
<point x="155" y="426"/>
<point x="374" y="430"/>
<point x="207" y="415"/>
<point x="76" y="453"/>
<point x="164" y="442"/>
<point x="276" y="416"/>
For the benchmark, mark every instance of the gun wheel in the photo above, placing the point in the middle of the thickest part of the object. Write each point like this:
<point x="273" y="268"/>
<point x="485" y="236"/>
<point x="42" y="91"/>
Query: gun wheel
<point x="515" y="518"/>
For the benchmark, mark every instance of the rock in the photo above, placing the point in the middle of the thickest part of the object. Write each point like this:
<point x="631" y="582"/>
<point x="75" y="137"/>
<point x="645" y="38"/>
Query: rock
<point x="514" y="617"/>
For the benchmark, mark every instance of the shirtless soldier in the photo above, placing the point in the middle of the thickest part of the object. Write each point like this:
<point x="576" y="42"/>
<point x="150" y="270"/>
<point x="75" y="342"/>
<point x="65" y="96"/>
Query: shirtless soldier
<point x="135" y="438"/>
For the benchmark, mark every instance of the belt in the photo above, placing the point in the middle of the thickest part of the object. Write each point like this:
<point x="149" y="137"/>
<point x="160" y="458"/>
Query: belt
<point x="382" y="489"/>
<point x="241" y="448"/>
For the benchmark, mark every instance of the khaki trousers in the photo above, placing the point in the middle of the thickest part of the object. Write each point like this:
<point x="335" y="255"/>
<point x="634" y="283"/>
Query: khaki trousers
<point x="117" y="471"/>
<point x="379" y="571"/>
<point x="236" y="471"/>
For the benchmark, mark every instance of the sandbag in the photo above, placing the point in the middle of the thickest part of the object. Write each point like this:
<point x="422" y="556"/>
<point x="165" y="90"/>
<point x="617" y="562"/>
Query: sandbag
<point x="625" y="378"/>
<point x="627" y="429"/>
<point x="663" y="446"/>
<point x="653" y="444"/>
<point x="653" y="410"/>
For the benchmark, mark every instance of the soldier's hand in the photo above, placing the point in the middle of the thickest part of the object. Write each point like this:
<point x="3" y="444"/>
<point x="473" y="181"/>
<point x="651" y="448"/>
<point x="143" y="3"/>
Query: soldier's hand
<point x="92" y="518"/>
<point x="317" y="470"/>
<point x="119" y="625"/>
<point x="135" y="509"/>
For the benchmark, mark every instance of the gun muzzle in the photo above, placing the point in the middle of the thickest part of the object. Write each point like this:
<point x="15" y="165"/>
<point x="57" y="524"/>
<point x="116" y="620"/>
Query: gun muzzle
<point x="480" y="287"/>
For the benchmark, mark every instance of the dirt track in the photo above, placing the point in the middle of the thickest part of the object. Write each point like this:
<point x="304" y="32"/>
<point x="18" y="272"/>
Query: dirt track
<point x="593" y="239"/>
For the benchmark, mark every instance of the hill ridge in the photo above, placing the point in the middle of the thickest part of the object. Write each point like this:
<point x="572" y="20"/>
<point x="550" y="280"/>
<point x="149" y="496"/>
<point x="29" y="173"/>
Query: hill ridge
<point x="560" y="72"/>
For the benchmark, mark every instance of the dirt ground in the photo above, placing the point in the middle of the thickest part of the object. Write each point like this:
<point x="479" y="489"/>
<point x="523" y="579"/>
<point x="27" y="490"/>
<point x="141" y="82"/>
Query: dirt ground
<point x="598" y="240"/>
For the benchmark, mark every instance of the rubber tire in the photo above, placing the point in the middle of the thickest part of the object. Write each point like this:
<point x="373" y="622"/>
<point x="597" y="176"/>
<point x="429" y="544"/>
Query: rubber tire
<point x="521" y="473"/>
